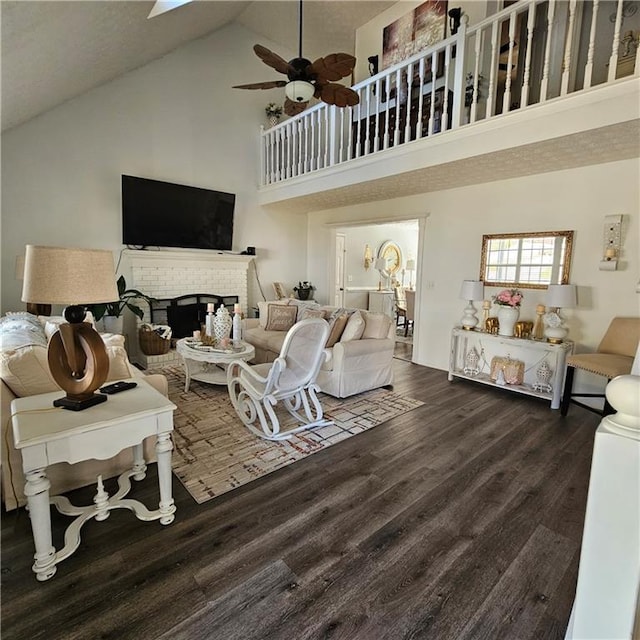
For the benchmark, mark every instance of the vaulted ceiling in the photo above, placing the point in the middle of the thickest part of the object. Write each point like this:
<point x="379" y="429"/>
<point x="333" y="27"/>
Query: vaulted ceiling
<point x="53" y="51"/>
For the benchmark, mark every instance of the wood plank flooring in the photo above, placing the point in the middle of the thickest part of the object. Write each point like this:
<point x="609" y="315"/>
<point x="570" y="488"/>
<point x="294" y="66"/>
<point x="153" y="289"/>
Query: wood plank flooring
<point x="459" y="520"/>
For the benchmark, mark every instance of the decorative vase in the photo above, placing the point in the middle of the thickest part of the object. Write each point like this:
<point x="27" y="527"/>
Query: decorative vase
<point x="303" y="294"/>
<point x="273" y="121"/>
<point x="222" y="324"/>
<point x="507" y="318"/>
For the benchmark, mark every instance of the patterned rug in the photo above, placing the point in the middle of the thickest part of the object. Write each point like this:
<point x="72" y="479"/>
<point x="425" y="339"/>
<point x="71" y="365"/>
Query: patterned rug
<point x="215" y="453"/>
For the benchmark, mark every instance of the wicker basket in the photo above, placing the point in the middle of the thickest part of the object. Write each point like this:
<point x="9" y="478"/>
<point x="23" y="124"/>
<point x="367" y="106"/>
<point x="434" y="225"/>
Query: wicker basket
<point x="151" y="343"/>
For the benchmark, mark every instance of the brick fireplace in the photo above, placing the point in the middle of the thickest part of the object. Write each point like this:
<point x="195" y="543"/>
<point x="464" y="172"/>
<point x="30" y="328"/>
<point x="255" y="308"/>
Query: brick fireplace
<point x="167" y="274"/>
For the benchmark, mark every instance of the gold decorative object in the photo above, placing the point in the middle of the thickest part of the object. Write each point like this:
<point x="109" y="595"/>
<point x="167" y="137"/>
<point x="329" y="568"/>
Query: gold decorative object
<point x="513" y="370"/>
<point x="538" y="328"/>
<point x="492" y="325"/>
<point x="523" y="329"/>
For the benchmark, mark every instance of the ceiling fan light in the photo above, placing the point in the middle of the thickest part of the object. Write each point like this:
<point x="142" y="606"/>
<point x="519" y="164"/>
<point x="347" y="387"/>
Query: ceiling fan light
<point x="299" y="91"/>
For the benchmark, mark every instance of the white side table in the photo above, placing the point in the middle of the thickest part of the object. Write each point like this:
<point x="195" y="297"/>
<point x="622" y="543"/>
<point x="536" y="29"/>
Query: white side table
<point x="45" y="435"/>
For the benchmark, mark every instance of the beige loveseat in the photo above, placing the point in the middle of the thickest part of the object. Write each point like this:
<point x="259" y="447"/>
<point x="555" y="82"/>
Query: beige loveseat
<point x="359" y="350"/>
<point x="24" y="371"/>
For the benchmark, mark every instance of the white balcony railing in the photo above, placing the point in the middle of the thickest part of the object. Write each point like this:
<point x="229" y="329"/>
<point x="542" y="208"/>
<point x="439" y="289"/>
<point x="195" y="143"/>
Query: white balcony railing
<point x="531" y="52"/>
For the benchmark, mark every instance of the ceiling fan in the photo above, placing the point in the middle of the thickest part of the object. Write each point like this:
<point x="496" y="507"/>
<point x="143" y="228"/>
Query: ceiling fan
<point x="306" y="79"/>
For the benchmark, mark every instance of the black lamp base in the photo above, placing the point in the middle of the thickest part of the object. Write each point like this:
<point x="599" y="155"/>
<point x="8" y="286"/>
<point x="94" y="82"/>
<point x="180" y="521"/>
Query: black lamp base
<point x="76" y="404"/>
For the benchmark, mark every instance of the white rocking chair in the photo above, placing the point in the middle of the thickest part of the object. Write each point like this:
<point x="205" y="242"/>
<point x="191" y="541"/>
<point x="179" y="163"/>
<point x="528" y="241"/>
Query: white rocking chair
<point x="256" y="389"/>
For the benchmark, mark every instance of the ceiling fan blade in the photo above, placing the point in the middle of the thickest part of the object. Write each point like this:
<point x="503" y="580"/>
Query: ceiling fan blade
<point x="271" y="59"/>
<point x="332" y="67"/>
<point x="272" y="84"/>
<point x="338" y="94"/>
<point x="292" y="108"/>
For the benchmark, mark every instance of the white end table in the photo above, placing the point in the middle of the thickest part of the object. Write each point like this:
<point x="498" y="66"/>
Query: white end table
<point x="45" y="435"/>
<point x="207" y="364"/>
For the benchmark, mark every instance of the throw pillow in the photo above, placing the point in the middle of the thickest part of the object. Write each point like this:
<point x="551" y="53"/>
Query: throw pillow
<point x="337" y="327"/>
<point x="263" y="308"/>
<point x="302" y="305"/>
<point x="354" y="329"/>
<point x="377" y="325"/>
<point x="280" y="317"/>
<point x="303" y="314"/>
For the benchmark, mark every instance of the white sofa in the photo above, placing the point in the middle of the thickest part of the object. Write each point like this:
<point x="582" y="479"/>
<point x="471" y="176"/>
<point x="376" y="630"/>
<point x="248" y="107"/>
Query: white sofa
<point x="24" y="371"/>
<point x="360" y="358"/>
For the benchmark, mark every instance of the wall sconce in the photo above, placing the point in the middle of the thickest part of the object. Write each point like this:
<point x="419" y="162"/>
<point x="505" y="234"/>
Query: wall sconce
<point x="612" y="243"/>
<point x="368" y="257"/>
<point x="411" y="267"/>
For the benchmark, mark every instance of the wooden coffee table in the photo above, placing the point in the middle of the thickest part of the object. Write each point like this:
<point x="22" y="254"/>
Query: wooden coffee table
<point x="209" y="364"/>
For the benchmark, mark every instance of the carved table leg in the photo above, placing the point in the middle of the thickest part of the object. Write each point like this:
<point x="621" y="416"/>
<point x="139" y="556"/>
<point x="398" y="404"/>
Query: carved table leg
<point x="139" y="465"/>
<point x="37" y="491"/>
<point x="164" y="446"/>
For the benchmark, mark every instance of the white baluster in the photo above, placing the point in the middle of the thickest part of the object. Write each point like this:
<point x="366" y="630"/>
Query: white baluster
<point x="432" y="110"/>
<point x="358" y="150"/>
<point x="493" y="69"/>
<point x="568" y="46"/>
<point x="396" y="129"/>
<point x="588" y="69"/>
<point x="314" y="161"/>
<point x="613" y="60"/>
<point x="420" y="98"/>
<point x="386" y="111"/>
<point x="479" y="49"/>
<point x="407" y="124"/>
<point x="445" y="102"/>
<point x="367" y="128"/>
<point x="547" y="51"/>
<point x="350" y="137"/>
<point x="376" y="135"/>
<point x="323" y="115"/>
<point x="307" y="158"/>
<point x="531" y="20"/>
<point x="506" y="98"/>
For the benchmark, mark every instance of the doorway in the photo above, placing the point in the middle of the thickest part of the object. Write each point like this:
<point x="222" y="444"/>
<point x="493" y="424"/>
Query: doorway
<point x="359" y="284"/>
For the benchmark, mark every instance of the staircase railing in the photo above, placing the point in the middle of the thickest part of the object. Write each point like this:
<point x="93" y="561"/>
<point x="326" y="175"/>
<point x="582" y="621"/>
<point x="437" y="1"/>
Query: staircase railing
<point x="486" y="71"/>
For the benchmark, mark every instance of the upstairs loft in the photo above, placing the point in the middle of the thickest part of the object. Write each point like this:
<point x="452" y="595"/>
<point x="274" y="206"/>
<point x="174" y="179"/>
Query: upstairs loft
<point x="540" y="86"/>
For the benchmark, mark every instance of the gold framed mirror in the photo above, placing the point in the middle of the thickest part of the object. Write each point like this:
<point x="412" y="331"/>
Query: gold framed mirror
<point x="392" y="254"/>
<point x="532" y="260"/>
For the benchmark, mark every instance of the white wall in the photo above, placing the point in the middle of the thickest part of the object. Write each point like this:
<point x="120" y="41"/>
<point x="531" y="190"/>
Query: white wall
<point x="176" y="119"/>
<point x="575" y="199"/>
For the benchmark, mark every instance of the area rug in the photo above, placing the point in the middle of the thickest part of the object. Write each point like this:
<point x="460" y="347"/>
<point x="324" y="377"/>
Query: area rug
<point x="215" y="453"/>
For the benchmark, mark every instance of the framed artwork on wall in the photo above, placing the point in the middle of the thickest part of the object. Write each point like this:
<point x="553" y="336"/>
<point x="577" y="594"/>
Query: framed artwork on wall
<point x="413" y="32"/>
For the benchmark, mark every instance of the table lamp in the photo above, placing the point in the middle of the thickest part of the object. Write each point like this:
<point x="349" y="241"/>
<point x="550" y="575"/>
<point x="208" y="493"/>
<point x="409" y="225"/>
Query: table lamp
<point x="77" y="355"/>
<point x="558" y="296"/>
<point x="32" y="307"/>
<point x="381" y="266"/>
<point x="471" y="290"/>
<point x="411" y="267"/>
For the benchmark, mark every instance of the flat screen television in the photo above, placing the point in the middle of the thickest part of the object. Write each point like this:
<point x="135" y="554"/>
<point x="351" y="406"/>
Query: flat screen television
<point x="163" y="214"/>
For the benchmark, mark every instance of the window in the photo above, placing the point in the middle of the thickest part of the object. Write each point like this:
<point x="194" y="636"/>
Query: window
<point x="526" y="260"/>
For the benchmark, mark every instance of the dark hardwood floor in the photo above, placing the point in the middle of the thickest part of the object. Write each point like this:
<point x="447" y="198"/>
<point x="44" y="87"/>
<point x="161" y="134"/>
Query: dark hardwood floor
<point x="459" y="520"/>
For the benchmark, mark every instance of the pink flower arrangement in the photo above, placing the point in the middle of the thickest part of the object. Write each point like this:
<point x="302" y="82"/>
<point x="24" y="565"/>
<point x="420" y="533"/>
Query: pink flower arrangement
<point x="508" y="298"/>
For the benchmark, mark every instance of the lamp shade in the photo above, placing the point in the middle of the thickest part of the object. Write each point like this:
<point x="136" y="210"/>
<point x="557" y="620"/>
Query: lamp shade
<point x="381" y="264"/>
<point x="299" y="90"/>
<point x="472" y="290"/>
<point x="411" y="265"/>
<point x="561" y="296"/>
<point x="68" y="276"/>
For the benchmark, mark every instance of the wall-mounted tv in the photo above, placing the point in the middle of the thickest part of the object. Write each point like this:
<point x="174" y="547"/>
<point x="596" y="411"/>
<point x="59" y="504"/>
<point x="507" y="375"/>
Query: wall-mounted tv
<point x="163" y="214"/>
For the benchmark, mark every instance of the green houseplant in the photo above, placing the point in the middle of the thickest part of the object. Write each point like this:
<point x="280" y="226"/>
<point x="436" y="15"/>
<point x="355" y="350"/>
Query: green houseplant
<point x="108" y="310"/>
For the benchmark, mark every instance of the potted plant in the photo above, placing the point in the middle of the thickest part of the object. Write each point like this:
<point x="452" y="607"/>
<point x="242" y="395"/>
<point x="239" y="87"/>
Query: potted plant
<point x="112" y="311"/>
<point x="274" y="112"/>
<point x="304" y="290"/>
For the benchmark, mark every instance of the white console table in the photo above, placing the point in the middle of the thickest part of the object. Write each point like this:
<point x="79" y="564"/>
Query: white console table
<point x="382" y="301"/>
<point x="532" y="352"/>
<point x="45" y="435"/>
